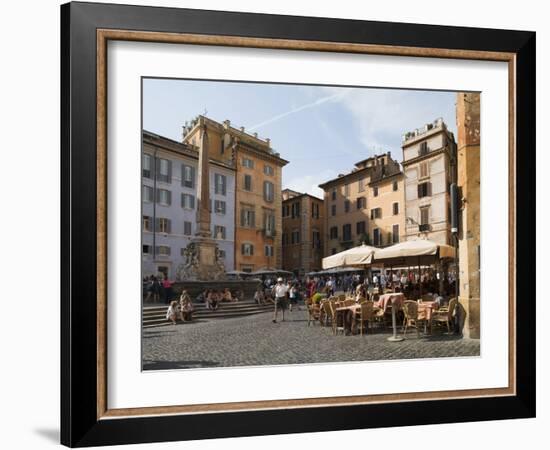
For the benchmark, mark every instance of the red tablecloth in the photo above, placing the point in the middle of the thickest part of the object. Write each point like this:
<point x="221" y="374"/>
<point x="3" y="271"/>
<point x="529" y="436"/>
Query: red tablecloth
<point x="396" y="299"/>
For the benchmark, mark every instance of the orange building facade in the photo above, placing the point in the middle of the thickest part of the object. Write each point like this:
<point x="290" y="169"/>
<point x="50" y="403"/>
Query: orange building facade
<point x="258" y="202"/>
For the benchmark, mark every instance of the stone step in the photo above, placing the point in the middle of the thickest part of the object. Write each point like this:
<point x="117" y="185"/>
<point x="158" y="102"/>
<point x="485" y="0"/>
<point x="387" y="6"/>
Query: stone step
<point x="160" y="321"/>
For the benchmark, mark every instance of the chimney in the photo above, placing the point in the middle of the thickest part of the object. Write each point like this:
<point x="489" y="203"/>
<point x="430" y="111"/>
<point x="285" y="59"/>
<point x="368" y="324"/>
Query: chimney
<point x="226" y="123"/>
<point x="256" y="135"/>
<point x="268" y="141"/>
<point x="242" y="129"/>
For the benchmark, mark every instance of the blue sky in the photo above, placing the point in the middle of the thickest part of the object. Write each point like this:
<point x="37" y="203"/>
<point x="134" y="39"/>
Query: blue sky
<point x="321" y="130"/>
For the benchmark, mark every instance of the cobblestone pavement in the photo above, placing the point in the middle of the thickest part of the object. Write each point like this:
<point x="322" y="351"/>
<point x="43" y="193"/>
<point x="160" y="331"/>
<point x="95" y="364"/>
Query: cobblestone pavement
<point x="255" y="340"/>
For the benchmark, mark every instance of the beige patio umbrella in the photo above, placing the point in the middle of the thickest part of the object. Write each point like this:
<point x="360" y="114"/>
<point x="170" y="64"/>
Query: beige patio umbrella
<point x="417" y="251"/>
<point x="356" y="256"/>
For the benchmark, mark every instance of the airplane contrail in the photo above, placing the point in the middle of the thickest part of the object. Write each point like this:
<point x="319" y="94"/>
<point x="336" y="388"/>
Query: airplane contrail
<point x="317" y="102"/>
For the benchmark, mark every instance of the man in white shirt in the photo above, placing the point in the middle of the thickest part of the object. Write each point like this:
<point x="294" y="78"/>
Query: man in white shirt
<point x="279" y="291"/>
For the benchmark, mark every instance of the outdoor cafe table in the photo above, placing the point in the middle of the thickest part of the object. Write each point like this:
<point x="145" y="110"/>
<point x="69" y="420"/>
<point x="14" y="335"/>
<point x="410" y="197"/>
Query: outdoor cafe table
<point x="425" y="311"/>
<point x="351" y="310"/>
<point x="396" y="299"/>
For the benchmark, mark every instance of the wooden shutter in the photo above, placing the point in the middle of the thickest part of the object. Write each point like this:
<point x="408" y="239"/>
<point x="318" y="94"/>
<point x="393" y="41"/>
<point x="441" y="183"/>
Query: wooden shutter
<point x="169" y="199"/>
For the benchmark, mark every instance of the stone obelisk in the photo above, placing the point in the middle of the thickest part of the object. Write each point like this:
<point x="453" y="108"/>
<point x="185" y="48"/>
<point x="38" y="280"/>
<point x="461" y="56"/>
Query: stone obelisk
<point x="203" y="188"/>
<point x="203" y="260"/>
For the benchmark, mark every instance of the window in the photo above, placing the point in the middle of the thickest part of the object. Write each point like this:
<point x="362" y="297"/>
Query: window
<point x="187" y="176"/>
<point x="219" y="207"/>
<point x="423" y="189"/>
<point x="361" y="185"/>
<point x="395" y="209"/>
<point x="147" y="223"/>
<point x="346" y="190"/>
<point x="346" y="205"/>
<point x="376" y="213"/>
<point x="268" y="170"/>
<point x="247" y="182"/>
<point x="295" y="210"/>
<point x="334" y="194"/>
<point x="163" y="250"/>
<point x="219" y="232"/>
<point x="163" y="225"/>
<point x="315" y="210"/>
<point x="346" y="232"/>
<point x="220" y="184"/>
<point x="360" y="228"/>
<point x="333" y="251"/>
<point x="395" y="186"/>
<point x="423" y="149"/>
<point x="269" y="191"/>
<point x="146" y="249"/>
<point x="147" y="194"/>
<point x="376" y="237"/>
<point x="334" y="232"/>
<point x="221" y="253"/>
<point x="268" y="250"/>
<point x="247" y="249"/>
<point x="248" y="217"/>
<point x="316" y="239"/>
<point x="375" y="191"/>
<point x="395" y="234"/>
<point x="187" y="228"/>
<point x="425" y="215"/>
<point x="164" y="170"/>
<point x="146" y="169"/>
<point x="187" y="201"/>
<point x="164" y="197"/>
<point x="248" y="163"/>
<point x="269" y="223"/>
<point x="295" y="237"/>
<point x="361" y="202"/>
<point x="285" y="210"/>
<point x="424" y="170"/>
<point x="333" y="210"/>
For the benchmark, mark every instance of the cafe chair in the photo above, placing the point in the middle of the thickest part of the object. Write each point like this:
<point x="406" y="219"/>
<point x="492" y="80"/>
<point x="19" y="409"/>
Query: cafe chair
<point x="365" y="316"/>
<point x="412" y="319"/>
<point x="445" y="315"/>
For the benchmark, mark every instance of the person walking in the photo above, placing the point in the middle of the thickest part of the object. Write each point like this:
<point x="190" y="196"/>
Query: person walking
<point x="280" y="291"/>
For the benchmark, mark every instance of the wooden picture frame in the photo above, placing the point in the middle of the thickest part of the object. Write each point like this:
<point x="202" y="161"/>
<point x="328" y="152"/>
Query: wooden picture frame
<point x="86" y="28"/>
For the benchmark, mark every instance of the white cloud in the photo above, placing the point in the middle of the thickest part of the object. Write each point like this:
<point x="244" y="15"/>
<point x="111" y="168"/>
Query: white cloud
<point x="309" y="184"/>
<point x="382" y="116"/>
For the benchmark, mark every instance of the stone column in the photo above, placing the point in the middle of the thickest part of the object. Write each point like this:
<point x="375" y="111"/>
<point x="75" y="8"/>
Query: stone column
<point x="468" y="164"/>
<point x="203" y="188"/>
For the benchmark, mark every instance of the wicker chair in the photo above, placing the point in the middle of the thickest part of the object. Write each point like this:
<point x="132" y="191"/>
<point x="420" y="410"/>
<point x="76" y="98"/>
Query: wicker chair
<point x="313" y="311"/>
<point x="365" y="316"/>
<point x="349" y="302"/>
<point x="410" y="309"/>
<point x="445" y="315"/>
<point x="327" y="312"/>
<point x="334" y="318"/>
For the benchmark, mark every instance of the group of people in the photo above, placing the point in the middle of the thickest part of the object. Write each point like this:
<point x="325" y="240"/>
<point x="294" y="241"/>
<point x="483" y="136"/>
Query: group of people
<point x="213" y="297"/>
<point x="411" y="283"/>
<point x="180" y="309"/>
<point x="159" y="289"/>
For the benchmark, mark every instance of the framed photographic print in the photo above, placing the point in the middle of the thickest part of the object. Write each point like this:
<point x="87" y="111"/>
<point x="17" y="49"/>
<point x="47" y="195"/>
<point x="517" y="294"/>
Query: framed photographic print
<point x="276" y="224"/>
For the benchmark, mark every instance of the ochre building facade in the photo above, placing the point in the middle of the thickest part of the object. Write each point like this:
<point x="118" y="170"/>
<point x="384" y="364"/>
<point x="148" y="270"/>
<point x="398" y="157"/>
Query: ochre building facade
<point x="303" y="230"/>
<point x="258" y="202"/>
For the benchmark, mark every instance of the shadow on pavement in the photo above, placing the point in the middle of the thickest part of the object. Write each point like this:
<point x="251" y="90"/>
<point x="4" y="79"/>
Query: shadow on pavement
<point x="170" y="365"/>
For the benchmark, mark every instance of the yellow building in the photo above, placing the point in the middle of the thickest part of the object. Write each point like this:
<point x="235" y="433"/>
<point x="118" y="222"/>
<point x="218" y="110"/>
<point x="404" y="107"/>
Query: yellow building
<point x="258" y="200"/>
<point x="468" y="160"/>
<point x="303" y="230"/>
<point x="365" y="205"/>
